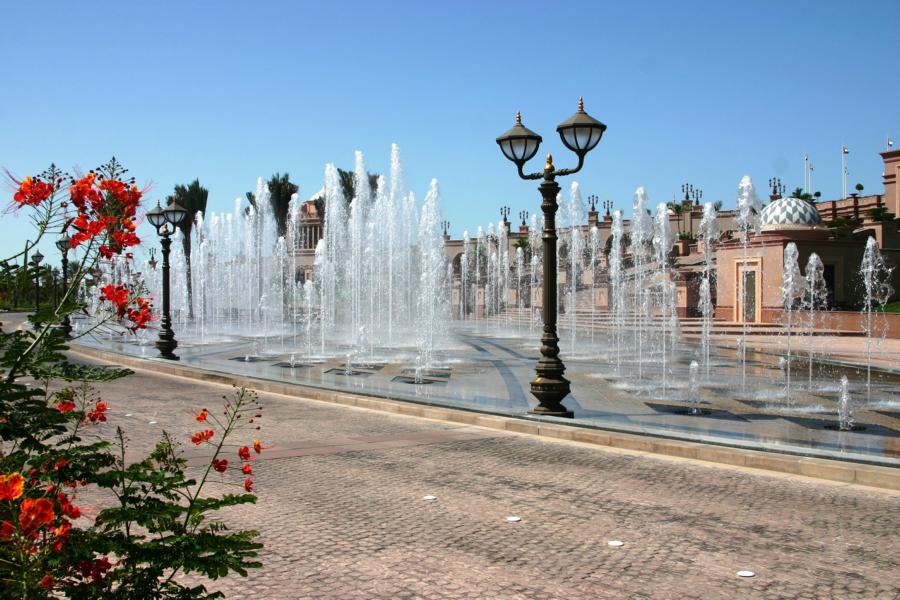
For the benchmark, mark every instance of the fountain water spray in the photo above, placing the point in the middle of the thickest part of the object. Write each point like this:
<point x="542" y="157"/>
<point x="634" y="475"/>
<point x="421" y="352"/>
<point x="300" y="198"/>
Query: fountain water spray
<point x="709" y="235"/>
<point x="876" y="278"/>
<point x="846" y="422"/>
<point x="815" y="299"/>
<point x="641" y="233"/>
<point x="617" y="282"/>
<point x="662" y="246"/>
<point x="791" y="290"/>
<point x="747" y="219"/>
<point x="595" y="256"/>
<point x="694" y="389"/>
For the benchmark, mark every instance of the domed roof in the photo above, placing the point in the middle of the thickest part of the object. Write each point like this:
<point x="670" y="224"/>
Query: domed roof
<point x="789" y="213"/>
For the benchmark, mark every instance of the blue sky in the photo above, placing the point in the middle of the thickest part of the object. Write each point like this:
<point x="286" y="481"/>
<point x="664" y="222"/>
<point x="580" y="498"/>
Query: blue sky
<point x="228" y="91"/>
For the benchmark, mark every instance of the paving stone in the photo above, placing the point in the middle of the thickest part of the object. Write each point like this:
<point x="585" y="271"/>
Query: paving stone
<point x="349" y="522"/>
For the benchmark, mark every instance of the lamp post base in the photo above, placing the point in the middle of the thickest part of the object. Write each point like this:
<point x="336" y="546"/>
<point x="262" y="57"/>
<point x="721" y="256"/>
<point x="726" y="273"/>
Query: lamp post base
<point x="550" y="392"/>
<point x="166" y="346"/>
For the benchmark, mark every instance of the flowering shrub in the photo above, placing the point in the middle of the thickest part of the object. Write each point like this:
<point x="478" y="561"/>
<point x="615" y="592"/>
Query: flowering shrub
<point x="52" y="446"/>
<point x="105" y="208"/>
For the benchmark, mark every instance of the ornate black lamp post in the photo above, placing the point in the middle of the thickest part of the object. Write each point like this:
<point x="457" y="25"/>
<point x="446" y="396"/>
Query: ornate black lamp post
<point x="36" y="259"/>
<point x="165" y="221"/>
<point x="63" y="244"/>
<point x="580" y="134"/>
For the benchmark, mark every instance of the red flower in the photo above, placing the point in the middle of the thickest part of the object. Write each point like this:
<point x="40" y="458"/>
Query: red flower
<point x="11" y="486"/>
<point x="220" y="465"/>
<point x="140" y="316"/>
<point x="244" y="453"/>
<point x="32" y="191"/>
<point x="67" y="508"/>
<point x="117" y="295"/>
<point x="248" y="484"/>
<point x="247" y="469"/>
<point x="95" y="569"/>
<point x="202" y="436"/>
<point x="201" y="416"/>
<point x="47" y="582"/>
<point x="36" y="513"/>
<point x="98" y="413"/>
<point x="257" y="446"/>
<point x="61" y="534"/>
<point x="65" y="406"/>
<point x="7" y="530"/>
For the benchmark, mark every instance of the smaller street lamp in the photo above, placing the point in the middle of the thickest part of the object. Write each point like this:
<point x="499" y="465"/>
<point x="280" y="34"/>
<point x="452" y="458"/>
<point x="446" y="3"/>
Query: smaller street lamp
<point x="63" y="243"/>
<point x="36" y="259"/>
<point x="165" y="220"/>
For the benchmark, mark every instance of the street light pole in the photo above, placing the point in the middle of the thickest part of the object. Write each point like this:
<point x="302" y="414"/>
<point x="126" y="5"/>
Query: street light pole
<point x="63" y="243"/>
<point x="165" y="222"/>
<point x="580" y="134"/>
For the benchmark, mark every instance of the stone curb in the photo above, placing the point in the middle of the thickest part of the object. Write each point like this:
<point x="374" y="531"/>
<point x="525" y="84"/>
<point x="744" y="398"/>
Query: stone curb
<point x="831" y="470"/>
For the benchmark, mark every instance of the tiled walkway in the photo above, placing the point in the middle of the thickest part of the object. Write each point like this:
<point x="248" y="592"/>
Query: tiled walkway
<point x="342" y="515"/>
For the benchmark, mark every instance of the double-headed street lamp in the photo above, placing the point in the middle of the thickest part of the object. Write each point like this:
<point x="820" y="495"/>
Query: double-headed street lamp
<point x="165" y="220"/>
<point x="580" y="134"/>
<point x="63" y="243"/>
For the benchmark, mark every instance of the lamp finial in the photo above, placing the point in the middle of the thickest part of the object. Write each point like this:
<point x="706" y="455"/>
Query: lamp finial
<point x="549" y="165"/>
<point x="518" y="118"/>
<point x="580" y="103"/>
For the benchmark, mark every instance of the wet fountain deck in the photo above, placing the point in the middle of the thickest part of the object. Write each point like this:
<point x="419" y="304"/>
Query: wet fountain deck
<point x="489" y="371"/>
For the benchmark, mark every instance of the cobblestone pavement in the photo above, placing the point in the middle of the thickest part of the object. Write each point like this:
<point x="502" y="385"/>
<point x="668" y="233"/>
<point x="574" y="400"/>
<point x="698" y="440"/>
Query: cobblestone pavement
<point x="342" y="515"/>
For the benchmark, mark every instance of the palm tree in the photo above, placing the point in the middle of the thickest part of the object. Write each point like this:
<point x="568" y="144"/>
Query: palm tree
<point x="193" y="199"/>
<point x="678" y="209"/>
<point x="281" y="188"/>
<point x="348" y="183"/>
<point x="881" y="214"/>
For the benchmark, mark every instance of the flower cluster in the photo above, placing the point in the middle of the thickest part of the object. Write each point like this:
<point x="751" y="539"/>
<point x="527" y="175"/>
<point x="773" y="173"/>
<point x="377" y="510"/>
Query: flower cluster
<point x="32" y="191"/>
<point x="105" y="205"/>
<point x="39" y="519"/>
<point x="98" y="413"/>
<point x="136" y="310"/>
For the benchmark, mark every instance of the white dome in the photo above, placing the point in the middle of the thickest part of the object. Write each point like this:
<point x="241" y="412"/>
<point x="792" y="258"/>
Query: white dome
<point x="789" y="213"/>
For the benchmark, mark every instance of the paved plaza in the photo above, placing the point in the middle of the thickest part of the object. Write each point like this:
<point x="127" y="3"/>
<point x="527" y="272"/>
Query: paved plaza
<point x="342" y="515"/>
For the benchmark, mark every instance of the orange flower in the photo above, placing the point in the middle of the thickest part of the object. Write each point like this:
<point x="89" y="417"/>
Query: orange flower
<point x="36" y="513"/>
<point x="257" y="446"/>
<point x="220" y="465"/>
<point x="47" y="582"/>
<point x="201" y="416"/>
<point x="11" y="486"/>
<point x="248" y="484"/>
<point x="244" y="453"/>
<point x="247" y="469"/>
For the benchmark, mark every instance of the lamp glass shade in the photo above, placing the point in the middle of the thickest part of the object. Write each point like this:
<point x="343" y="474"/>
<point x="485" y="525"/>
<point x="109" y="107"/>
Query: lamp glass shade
<point x="581" y="133"/>
<point x="175" y="213"/>
<point x="156" y="216"/>
<point x="519" y="144"/>
<point x="37" y="258"/>
<point x="63" y="243"/>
